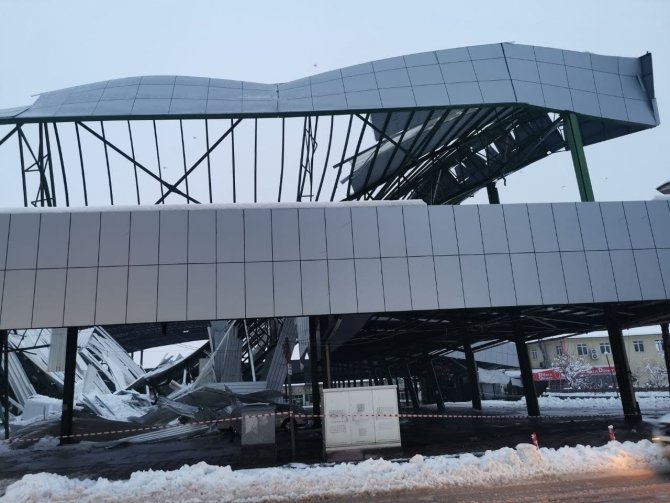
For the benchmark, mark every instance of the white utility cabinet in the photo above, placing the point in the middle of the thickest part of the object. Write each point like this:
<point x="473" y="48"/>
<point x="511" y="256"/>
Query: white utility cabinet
<point x="356" y="418"/>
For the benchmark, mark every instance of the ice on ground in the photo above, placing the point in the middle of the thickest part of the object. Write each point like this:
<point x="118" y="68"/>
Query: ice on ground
<point x="202" y="482"/>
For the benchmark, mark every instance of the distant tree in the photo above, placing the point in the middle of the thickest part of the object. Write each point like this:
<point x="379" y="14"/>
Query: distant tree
<point x="654" y="374"/>
<point x="572" y="370"/>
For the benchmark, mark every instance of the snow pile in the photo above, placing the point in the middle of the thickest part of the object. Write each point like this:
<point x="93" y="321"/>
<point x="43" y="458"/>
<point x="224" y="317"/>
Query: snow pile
<point x="202" y="482"/>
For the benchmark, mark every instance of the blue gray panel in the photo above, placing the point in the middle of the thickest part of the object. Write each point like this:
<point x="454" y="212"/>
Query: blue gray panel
<point x="259" y="289"/>
<point x="659" y="217"/>
<point x="142" y="294"/>
<point x="312" y="233"/>
<point x="475" y="281"/>
<point x="517" y="224"/>
<point x="601" y="276"/>
<point x="365" y="232"/>
<point x="501" y="281"/>
<point x="391" y="231"/>
<point x="417" y="230"/>
<point x="201" y="294"/>
<point x="80" y="291"/>
<point x="173" y="246"/>
<point x="638" y="224"/>
<point x="287" y="287"/>
<point x="230" y="236"/>
<point x="171" y="293"/>
<point x="443" y="230"/>
<point x="526" y="281"/>
<point x="567" y="227"/>
<point x="111" y="295"/>
<point x="468" y="230"/>
<point x="144" y="238"/>
<point x="449" y="283"/>
<point x="201" y="236"/>
<point x="625" y="275"/>
<point x="339" y="233"/>
<point x="664" y="263"/>
<point x="53" y="243"/>
<point x="493" y="228"/>
<point x="114" y="238"/>
<point x="49" y="298"/>
<point x="24" y="230"/>
<point x="552" y="283"/>
<point x="230" y="291"/>
<point x="84" y="239"/>
<point x="315" y="298"/>
<point x="542" y="226"/>
<point x="422" y="283"/>
<point x="397" y="296"/>
<point x="17" y="302"/>
<point x="257" y="235"/>
<point x="576" y="277"/>
<point x="615" y="225"/>
<point x="592" y="227"/>
<point x="4" y="233"/>
<point x="342" y="280"/>
<point x="369" y="290"/>
<point x="649" y="273"/>
<point x="285" y="238"/>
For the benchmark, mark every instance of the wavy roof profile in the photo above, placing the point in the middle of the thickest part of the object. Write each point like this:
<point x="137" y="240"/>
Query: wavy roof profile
<point x="608" y="88"/>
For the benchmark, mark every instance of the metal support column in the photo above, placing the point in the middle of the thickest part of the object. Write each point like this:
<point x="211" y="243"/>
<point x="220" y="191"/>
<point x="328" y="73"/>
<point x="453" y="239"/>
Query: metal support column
<point x="315" y="367"/>
<point x="573" y="136"/>
<point x="68" y="386"/>
<point x="473" y="375"/>
<point x="526" y="373"/>
<point x="624" y="377"/>
<point x="492" y="192"/>
<point x="666" y="347"/>
<point x="409" y="387"/>
<point x="4" y="335"/>
<point x="439" y="398"/>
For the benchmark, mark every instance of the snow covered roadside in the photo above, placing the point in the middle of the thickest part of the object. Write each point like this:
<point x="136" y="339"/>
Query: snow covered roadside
<point x="202" y="482"/>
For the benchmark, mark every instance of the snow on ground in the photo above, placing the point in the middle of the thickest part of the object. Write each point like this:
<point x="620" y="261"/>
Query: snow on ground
<point x="202" y="482"/>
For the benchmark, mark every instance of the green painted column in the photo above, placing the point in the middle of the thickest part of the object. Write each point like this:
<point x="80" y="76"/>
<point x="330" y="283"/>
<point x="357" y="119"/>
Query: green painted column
<point x="573" y="135"/>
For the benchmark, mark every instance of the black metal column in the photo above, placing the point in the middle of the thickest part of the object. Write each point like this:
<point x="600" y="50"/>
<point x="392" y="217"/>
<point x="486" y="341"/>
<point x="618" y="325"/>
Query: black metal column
<point x="492" y="192"/>
<point x="473" y="375"/>
<point x="68" y="386"/>
<point x="526" y="374"/>
<point x="666" y="347"/>
<point x="4" y="335"/>
<point x="624" y="377"/>
<point x="439" y="398"/>
<point x="315" y="367"/>
<point x="409" y="387"/>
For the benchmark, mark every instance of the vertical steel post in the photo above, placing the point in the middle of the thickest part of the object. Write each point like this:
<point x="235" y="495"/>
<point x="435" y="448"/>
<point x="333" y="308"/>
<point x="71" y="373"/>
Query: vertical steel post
<point x="624" y="376"/>
<point x="573" y="136"/>
<point x="473" y="374"/>
<point x="526" y="372"/>
<point x="666" y="347"/>
<point x="4" y="335"/>
<point x="409" y="387"/>
<point x="314" y="363"/>
<point x="492" y="192"/>
<point x="68" y="386"/>
<point x="439" y="398"/>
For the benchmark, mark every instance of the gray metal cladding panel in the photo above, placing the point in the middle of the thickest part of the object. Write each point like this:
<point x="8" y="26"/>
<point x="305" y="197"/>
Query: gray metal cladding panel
<point x="601" y="276"/>
<point x="517" y="224"/>
<point x="616" y="229"/>
<point x="625" y="275"/>
<point x="493" y="228"/>
<point x="468" y="231"/>
<point x="230" y="291"/>
<point x="342" y="280"/>
<point x="592" y="227"/>
<point x="552" y="283"/>
<point x="201" y="294"/>
<point x="4" y="234"/>
<point x="422" y="283"/>
<point x="664" y="263"/>
<point x="500" y="279"/>
<point x="449" y="283"/>
<point x="567" y="227"/>
<point x="659" y="217"/>
<point x="142" y="294"/>
<point x="285" y="237"/>
<point x="53" y="242"/>
<point x="114" y="238"/>
<point x="173" y="243"/>
<point x="24" y="232"/>
<point x="649" y="273"/>
<point x="639" y="226"/>
<point x="576" y="277"/>
<point x="369" y="289"/>
<point x="84" y="239"/>
<point x="80" y="289"/>
<point x="112" y="295"/>
<point x="443" y="230"/>
<point x="171" y="304"/>
<point x="259" y="289"/>
<point x="49" y="301"/>
<point x="201" y="237"/>
<point x="526" y="280"/>
<point x="312" y="234"/>
<point x="543" y="228"/>
<point x="315" y="297"/>
<point x="17" y="302"/>
<point x="257" y="235"/>
<point x="287" y="288"/>
<point x="339" y="233"/>
<point x="417" y="231"/>
<point x="391" y="231"/>
<point x="230" y="236"/>
<point x="365" y="232"/>
<point x="144" y="227"/>
<point x="395" y="274"/>
<point x="475" y="281"/>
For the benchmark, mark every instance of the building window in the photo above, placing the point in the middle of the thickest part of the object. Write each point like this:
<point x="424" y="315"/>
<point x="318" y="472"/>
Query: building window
<point x="659" y="346"/>
<point x="605" y="348"/>
<point x="582" y="350"/>
<point x="638" y="346"/>
<point x="559" y="350"/>
<point x="533" y="354"/>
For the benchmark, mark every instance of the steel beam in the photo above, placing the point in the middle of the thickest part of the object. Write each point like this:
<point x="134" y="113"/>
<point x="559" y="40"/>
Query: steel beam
<point x="66" y="429"/>
<point x="409" y="387"/>
<point x="666" y="347"/>
<point x="439" y="398"/>
<point x="492" y="192"/>
<point x="624" y="377"/>
<point x="473" y="375"/>
<point x="4" y="336"/>
<point x="573" y="136"/>
<point x="526" y="373"/>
